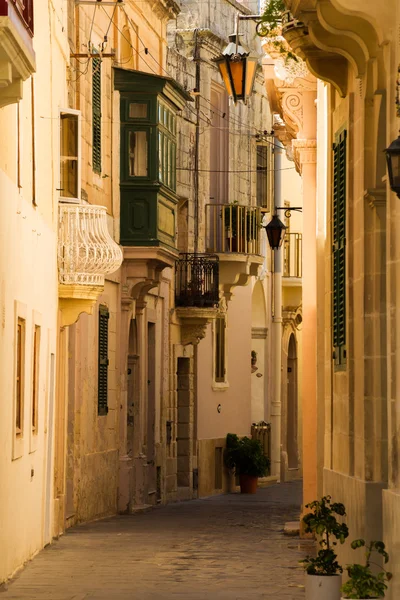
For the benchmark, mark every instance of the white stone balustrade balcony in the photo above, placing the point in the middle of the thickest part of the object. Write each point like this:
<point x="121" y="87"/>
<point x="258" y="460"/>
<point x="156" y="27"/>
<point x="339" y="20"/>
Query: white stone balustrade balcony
<point x="86" y="253"/>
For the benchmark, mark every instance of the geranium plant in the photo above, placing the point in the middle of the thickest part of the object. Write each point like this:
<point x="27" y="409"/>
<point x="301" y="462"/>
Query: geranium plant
<point x="322" y="521"/>
<point x="362" y="582"/>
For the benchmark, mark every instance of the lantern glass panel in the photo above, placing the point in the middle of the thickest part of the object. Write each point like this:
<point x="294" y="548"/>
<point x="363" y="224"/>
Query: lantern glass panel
<point x="250" y="75"/>
<point x="224" y="70"/>
<point x="396" y="171"/>
<point x="237" y="71"/>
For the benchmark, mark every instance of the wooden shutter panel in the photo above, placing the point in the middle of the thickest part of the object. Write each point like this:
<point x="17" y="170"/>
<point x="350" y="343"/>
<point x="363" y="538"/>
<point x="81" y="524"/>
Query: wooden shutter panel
<point x="96" y="114"/>
<point x="339" y="246"/>
<point x="102" y="397"/>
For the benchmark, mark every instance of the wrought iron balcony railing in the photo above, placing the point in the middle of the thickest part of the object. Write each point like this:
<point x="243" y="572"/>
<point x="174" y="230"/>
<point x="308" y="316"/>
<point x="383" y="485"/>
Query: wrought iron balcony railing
<point x="293" y="249"/>
<point x="197" y="279"/>
<point x="233" y="228"/>
<point x="22" y="8"/>
<point x="86" y="251"/>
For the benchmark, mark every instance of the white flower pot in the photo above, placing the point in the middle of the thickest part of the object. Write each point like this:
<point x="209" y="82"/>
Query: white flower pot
<point x="323" y="588"/>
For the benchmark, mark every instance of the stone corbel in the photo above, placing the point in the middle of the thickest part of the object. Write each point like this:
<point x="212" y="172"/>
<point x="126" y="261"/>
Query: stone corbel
<point x="73" y="300"/>
<point x="194" y="323"/>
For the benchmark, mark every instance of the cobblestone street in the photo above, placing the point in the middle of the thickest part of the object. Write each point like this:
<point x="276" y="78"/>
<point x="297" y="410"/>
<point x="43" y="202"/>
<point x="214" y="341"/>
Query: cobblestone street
<point x="225" y="547"/>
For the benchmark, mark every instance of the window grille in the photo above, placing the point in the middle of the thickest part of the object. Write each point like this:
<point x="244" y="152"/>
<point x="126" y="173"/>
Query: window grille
<point x="262" y="176"/>
<point x="339" y="248"/>
<point x="220" y="349"/>
<point x="102" y="404"/>
<point x="96" y="114"/>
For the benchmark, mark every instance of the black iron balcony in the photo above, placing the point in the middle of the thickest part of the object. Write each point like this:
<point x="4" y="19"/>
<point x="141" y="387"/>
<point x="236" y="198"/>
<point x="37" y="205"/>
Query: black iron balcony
<point x="197" y="280"/>
<point x="293" y="255"/>
<point x="233" y="228"/>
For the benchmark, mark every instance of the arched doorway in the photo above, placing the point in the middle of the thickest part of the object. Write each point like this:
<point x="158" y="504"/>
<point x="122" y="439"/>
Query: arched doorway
<point x="292" y="405"/>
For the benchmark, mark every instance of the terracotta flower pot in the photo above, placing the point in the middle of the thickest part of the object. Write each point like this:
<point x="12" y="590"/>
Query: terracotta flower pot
<point x="323" y="587"/>
<point x="248" y="484"/>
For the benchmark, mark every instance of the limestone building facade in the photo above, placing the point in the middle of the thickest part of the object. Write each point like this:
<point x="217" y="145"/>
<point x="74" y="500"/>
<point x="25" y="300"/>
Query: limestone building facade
<point x="354" y="49"/>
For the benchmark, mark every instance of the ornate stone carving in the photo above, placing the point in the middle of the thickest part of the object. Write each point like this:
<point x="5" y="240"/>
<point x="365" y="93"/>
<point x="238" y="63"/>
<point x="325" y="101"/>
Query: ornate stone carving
<point x="194" y="323"/>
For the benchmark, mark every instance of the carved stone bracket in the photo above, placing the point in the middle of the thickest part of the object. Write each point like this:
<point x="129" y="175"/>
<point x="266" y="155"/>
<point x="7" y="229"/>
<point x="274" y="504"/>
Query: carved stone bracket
<point x="194" y="323"/>
<point x="73" y="300"/>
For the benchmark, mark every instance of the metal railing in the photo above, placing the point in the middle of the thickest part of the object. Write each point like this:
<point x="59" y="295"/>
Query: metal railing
<point x="233" y="228"/>
<point x="86" y="251"/>
<point x="24" y="10"/>
<point x="292" y="257"/>
<point x="262" y="431"/>
<point x="197" y="280"/>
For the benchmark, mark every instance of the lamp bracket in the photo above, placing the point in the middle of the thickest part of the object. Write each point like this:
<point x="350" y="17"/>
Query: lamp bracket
<point x="288" y="209"/>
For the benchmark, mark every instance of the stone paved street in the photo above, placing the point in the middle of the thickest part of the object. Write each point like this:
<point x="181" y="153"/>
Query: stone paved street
<point x="226" y="547"/>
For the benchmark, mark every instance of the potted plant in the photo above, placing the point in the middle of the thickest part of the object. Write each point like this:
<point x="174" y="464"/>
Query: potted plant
<point x="323" y="572"/>
<point x="363" y="584"/>
<point x="246" y="457"/>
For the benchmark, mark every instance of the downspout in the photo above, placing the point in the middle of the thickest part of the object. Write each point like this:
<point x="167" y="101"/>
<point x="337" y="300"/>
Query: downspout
<point x="276" y="408"/>
<point x="196" y="58"/>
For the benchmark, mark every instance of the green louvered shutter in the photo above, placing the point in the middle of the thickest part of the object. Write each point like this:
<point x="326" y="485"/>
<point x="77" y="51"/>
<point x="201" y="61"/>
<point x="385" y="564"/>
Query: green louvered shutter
<point x="102" y="396"/>
<point x="339" y="248"/>
<point x="96" y="114"/>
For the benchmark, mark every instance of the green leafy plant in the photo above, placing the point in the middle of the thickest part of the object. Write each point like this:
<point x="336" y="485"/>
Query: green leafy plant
<point x="245" y="456"/>
<point x="362" y="582"/>
<point x="322" y="522"/>
<point x="270" y="27"/>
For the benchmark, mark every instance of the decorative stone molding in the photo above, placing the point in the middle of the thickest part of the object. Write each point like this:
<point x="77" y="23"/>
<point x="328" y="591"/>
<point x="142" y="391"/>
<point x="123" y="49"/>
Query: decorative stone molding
<point x="292" y="316"/>
<point x="194" y="323"/>
<point x="259" y="333"/>
<point x="73" y="300"/>
<point x="333" y="37"/>
<point x="305" y="153"/>
<point x="376" y="197"/>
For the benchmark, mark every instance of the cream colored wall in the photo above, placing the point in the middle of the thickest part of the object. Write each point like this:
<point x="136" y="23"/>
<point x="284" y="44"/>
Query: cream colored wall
<point x="234" y="397"/>
<point x="28" y="273"/>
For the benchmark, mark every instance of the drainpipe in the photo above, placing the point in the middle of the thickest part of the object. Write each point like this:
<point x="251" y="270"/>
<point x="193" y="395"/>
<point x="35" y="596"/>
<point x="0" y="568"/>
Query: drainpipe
<point x="276" y="446"/>
<point x="196" y="58"/>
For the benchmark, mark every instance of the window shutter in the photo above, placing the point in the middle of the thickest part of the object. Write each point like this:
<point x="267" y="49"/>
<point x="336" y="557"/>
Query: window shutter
<point x="102" y="398"/>
<point x="96" y="114"/>
<point x="339" y="247"/>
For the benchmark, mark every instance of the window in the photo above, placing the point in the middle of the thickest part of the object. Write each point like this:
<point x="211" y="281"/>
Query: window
<point x="262" y="176"/>
<point x="219" y="145"/>
<point x="220" y="349"/>
<point x="35" y="378"/>
<point x="166" y="146"/>
<point x="138" y="154"/>
<point x="69" y="156"/>
<point x="339" y="248"/>
<point x="96" y="114"/>
<point x="138" y="110"/>
<point x="19" y="376"/>
<point x="102" y="398"/>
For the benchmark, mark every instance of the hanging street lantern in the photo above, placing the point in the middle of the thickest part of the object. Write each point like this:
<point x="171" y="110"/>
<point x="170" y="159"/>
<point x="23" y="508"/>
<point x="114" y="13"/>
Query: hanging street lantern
<point x="275" y="232"/>
<point x="238" y="69"/>
<point x="393" y="163"/>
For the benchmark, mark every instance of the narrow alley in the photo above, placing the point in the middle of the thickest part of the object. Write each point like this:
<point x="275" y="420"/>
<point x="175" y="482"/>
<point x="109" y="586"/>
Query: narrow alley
<point x="224" y="547"/>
